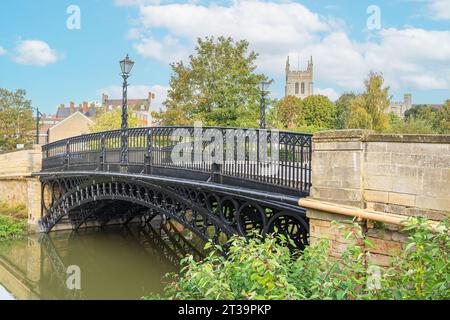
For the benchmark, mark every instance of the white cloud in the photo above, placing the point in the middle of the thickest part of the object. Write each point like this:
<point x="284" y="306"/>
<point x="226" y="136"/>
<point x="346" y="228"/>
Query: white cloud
<point x="169" y="49"/>
<point x="328" y="92"/>
<point x="409" y="58"/>
<point x="271" y="28"/>
<point x="439" y="9"/>
<point x="2" y="51"/>
<point x="36" y="53"/>
<point x="138" y="92"/>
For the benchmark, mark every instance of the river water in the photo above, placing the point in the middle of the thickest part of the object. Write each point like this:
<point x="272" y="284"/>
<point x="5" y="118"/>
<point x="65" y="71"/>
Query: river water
<point x="114" y="262"/>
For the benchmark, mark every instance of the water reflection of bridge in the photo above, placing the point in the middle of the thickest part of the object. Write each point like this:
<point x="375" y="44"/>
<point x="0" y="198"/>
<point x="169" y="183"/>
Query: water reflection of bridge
<point x="36" y="268"/>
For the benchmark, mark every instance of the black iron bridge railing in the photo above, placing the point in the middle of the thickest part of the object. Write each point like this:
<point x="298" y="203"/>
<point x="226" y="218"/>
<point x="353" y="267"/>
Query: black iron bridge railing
<point x="242" y="157"/>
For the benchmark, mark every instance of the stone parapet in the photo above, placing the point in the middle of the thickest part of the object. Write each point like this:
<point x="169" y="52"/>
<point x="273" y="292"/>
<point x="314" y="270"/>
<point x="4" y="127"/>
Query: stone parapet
<point x="406" y="174"/>
<point x="401" y="174"/>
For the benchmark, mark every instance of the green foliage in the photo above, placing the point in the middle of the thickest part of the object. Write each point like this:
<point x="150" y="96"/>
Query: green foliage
<point x="422" y="270"/>
<point x="11" y="227"/>
<point x="368" y="110"/>
<point x="312" y="114"/>
<point x="218" y="86"/>
<point x="424" y="119"/>
<point x="442" y="121"/>
<point x="112" y="120"/>
<point x="16" y="119"/>
<point x="343" y="110"/>
<point x="265" y="269"/>
<point x="318" y="111"/>
<point x="287" y="113"/>
<point x="421" y="111"/>
<point x="413" y="125"/>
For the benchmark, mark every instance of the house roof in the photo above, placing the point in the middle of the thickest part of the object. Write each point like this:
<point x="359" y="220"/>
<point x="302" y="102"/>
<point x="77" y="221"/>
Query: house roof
<point x="69" y="117"/>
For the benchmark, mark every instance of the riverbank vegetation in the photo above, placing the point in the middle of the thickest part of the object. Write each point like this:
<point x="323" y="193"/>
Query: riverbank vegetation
<point x="265" y="269"/>
<point x="13" y="221"/>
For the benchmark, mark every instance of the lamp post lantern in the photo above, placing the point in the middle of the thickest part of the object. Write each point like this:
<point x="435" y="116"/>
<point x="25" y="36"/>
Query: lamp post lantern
<point x="125" y="66"/>
<point x="263" y="85"/>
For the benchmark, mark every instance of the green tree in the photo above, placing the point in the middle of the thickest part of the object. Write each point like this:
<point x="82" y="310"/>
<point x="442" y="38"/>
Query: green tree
<point x="368" y="110"/>
<point x="16" y="119"/>
<point x="343" y="110"/>
<point x="421" y="111"/>
<point x="319" y="112"/>
<point x="112" y="120"/>
<point x="412" y="125"/>
<point x="287" y="113"/>
<point x="218" y="86"/>
<point x="377" y="101"/>
<point x="359" y="116"/>
<point x="442" y="120"/>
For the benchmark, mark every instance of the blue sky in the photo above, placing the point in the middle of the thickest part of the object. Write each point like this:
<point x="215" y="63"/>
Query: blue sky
<point x="54" y="64"/>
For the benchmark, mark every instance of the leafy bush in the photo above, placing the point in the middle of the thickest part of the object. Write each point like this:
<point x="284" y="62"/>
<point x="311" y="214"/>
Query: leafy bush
<point x="265" y="269"/>
<point x="11" y="227"/>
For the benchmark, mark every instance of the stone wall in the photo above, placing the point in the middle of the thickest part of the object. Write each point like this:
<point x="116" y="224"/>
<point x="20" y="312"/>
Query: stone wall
<point x="401" y="174"/>
<point x="17" y="186"/>
<point x="407" y="175"/>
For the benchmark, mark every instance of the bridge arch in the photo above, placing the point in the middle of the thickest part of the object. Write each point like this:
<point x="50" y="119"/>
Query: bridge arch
<point x="212" y="215"/>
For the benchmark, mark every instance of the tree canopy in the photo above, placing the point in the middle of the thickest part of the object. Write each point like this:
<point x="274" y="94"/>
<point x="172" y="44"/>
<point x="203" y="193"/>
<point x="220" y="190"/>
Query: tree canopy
<point x="112" y="120"/>
<point x="313" y="113"/>
<point x="368" y="110"/>
<point x="16" y="119"/>
<point x="218" y="86"/>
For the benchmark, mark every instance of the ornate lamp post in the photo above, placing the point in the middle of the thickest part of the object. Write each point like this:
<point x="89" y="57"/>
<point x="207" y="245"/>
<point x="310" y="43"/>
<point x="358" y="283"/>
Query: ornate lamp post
<point x="125" y="66"/>
<point x="38" y="123"/>
<point x="263" y="85"/>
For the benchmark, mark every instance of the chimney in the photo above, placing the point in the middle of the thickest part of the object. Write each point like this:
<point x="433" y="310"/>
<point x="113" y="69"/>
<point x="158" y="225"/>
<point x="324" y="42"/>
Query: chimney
<point x="72" y="107"/>
<point x="61" y="106"/>
<point x="104" y="98"/>
<point x="85" y="107"/>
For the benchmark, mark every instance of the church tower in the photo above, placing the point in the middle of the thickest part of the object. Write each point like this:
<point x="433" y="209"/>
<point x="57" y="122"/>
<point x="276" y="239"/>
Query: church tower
<point x="299" y="83"/>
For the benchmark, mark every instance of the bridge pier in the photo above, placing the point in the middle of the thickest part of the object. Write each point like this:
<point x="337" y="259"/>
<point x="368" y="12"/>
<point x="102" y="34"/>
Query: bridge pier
<point x="388" y="177"/>
<point x="17" y="185"/>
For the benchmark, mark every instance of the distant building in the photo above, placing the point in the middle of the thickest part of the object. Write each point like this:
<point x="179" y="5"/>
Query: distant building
<point x="46" y="122"/>
<point x="299" y="83"/>
<point x="88" y="109"/>
<point x="400" y="107"/>
<point x="140" y="108"/>
<point x="74" y="125"/>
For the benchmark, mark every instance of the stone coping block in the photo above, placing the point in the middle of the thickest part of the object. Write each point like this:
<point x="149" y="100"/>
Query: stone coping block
<point x="372" y="136"/>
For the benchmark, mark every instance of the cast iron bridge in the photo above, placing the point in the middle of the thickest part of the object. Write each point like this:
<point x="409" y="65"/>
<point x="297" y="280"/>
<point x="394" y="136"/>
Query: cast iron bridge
<point x="214" y="181"/>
